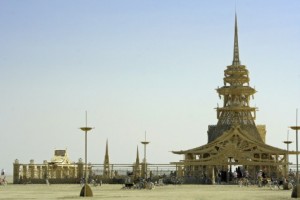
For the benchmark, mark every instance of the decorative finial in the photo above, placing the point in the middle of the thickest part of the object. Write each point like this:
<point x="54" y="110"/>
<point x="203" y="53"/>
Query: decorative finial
<point x="106" y="148"/>
<point x="85" y="118"/>
<point x="236" y="57"/>
<point x="137" y="155"/>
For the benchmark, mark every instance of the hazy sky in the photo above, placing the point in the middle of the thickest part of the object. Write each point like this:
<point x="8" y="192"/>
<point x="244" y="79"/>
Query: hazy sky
<point x="138" y="66"/>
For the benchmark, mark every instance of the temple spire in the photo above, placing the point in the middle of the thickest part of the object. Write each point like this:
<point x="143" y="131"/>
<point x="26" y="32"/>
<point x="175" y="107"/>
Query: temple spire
<point x="236" y="57"/>
<point x="137" y="167"/>
<point x="106" y="165"/>
<point x="137" y="160"/>
<point x="106" y="159"/>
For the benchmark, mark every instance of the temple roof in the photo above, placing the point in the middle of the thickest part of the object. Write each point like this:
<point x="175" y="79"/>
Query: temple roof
<point x="230" y="135"/>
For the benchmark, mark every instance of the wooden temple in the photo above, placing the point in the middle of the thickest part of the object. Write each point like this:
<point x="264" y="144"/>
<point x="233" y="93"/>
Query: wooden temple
<point x="235" y="141"/>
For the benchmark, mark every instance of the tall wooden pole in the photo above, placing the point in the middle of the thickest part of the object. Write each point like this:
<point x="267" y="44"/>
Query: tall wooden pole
<point x="145" y="154"/>
<point x="86" y="129"/>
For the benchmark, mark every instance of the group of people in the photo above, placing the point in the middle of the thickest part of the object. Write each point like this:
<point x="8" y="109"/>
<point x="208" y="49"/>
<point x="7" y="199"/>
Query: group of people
<point x="237" y="174"/>
<point x="263" y="180"/>
<point x="241" y="177"/>
<point x="91" y="180"/>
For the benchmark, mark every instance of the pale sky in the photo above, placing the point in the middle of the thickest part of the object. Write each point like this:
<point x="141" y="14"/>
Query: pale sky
<point x="138" y="66"/>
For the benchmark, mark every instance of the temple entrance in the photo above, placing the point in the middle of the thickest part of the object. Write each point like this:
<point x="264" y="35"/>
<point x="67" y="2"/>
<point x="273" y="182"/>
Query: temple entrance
<point x="235" y="170"/>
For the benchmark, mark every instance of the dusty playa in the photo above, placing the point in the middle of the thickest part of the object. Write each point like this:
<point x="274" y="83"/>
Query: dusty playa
<point x="193" y="192"/>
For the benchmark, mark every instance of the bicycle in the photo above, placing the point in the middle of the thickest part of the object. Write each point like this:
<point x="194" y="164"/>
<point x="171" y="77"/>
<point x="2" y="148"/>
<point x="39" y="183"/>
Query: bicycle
<point x="3" y="181"/>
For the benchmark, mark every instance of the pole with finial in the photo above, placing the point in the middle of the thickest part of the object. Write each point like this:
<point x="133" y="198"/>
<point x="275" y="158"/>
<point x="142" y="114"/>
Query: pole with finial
<point x="287" y="142"/>
<point x="86" y="191"/>
<point x="145" y="165"/>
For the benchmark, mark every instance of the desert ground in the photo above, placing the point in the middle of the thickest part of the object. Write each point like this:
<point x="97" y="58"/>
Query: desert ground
<point x="174" y="192"/>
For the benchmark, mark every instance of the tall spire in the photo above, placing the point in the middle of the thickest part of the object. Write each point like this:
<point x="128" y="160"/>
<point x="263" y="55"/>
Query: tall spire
<point x="236" y="57"/>
<point x="137" y="160"/>
<point x="106" y="159"/>
<point x="106" y="167"/>
<point x="136" y="166"/>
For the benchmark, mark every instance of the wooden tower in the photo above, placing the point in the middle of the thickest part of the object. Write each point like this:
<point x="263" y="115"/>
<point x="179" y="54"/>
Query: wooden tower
<point x="235" y="140"/>
<point x="236" y="94"/>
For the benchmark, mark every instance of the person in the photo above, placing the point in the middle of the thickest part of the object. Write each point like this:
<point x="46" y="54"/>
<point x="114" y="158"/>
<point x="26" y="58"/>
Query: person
<point x="291" y="174"/>
<point x="2" y="178"/>
<point x="2" y="172"/>
<point x="246" y="174"/>
<point x="219" y="177"/>
<point x="283" y="181"/>
<point x="264" y="176"/>
<point x="235" y="175"/>
<point x="259" y="178"/>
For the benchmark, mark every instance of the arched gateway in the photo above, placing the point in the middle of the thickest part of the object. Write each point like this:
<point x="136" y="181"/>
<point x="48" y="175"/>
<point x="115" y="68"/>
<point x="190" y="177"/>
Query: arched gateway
<point x="236" y="140"/>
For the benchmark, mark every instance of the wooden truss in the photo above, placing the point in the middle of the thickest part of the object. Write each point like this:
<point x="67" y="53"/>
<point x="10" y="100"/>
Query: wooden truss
<point x="235" y="147"/>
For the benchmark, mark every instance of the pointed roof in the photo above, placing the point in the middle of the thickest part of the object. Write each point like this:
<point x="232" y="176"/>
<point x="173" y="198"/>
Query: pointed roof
<point x="234" y="143"/>
<point x="106" y="149"/>
<point x="106" y="158"/>
<point x="137" y="160"/>
<point x="233" y="131"/>
<point x="236" y="57"/>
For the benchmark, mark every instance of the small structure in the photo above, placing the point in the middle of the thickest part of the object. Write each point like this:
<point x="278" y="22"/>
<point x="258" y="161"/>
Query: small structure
<point x="59" y="166"/>
<point x="137" y="166"/>
<point x="106" y="169"/>
<point x="60" y="169"/>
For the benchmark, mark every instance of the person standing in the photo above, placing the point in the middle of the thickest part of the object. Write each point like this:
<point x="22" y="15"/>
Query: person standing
<point x="2" y="172"/>
<point x="219" y="179"/>
<point x="259" y="178"/>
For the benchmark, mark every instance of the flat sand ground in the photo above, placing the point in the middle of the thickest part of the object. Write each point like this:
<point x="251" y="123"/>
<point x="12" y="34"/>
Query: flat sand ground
<point x="173" y="192"/>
